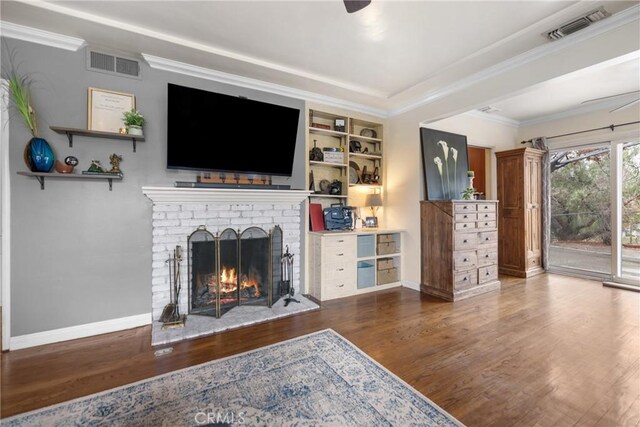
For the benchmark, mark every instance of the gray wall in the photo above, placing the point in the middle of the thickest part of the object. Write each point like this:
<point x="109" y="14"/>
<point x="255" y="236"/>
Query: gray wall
<point x="81" y="253"/>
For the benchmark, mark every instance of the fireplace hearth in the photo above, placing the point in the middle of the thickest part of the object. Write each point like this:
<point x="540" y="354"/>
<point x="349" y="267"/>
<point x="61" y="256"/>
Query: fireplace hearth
<point x="233" y="268"/>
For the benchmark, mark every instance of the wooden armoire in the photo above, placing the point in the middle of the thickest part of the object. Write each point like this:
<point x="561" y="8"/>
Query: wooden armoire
<point x="519" y="212"/>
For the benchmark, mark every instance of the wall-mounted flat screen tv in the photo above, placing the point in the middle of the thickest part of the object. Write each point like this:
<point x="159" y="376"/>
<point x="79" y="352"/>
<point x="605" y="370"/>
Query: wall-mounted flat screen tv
<point x="208" y="131"/>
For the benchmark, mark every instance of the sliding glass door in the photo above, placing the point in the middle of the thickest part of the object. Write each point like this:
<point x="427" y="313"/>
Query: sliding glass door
<point x="581" y="211"/>
<point x="627" y="248"/>
<point x="595" y="211"/>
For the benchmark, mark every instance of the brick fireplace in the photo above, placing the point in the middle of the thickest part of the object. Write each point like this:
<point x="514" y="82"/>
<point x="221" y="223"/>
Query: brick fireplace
<point x="178" y="212"/>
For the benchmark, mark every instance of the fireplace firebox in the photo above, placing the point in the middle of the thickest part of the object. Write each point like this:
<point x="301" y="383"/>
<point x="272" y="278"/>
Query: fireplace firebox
<point x="231" y="269"/>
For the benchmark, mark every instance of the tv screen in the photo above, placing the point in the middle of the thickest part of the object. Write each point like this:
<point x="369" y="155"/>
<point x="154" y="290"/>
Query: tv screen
<point x="210" y="131"/>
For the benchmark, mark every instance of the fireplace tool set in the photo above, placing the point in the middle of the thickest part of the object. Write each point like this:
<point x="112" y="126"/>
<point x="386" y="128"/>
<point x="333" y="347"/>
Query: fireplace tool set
<point x="286" y="286"/>
<point x="171" y="317"/>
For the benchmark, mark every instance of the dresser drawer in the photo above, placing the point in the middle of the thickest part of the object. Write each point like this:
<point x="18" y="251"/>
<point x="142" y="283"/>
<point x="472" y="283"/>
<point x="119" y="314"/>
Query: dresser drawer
<point x="464" y="260"/>
<point x="464" y="207"/>
<point x="487" y="216"/>
<point x="486" y="224"/>
<point x="340" y="243"/>
<point x="466" y="217"/>
<point x="487" y="274"/>
<point x="465" y="226"/>
<point x="487" y="256"/>
<point x="486" y="207"/>
<point x="488" y="237"/>
<point x="466" y="279"/>
<point x="336" y="290"/>
<point x="465" y="241"/>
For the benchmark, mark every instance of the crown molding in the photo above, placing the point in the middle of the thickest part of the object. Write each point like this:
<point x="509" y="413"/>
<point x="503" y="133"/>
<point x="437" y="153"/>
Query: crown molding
<point x="172" y="66"/>
<point x="619" y="19"/>
<point x="46" y="38"/>
<point x="492" y="117"/>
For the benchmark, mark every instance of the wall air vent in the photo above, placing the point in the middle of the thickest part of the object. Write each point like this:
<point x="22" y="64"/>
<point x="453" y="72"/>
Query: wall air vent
<point x="113" y="64"/>
<point x="577" y="24"/>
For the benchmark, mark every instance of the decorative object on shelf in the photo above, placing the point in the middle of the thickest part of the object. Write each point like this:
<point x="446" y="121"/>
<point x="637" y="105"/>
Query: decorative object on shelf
<point x="374" y="201"/>
<point x="95" y="167"/>
<point x="62" y="167"/>
<point x="312" y="183"/>
<point x="106" y="107"/>
<point x="316" y="155"/>
<point x="368" y="133"/>
<point x="375" y="177"/>
<point x="339" y="125"/>
<point x="354" y="173"/>
<point x="123" y="131"/>
<point x="134" y="121"/>
<point x="444" y="159"/>
<point x="335" y="188"/>
<point x="115" y="163"/>
<point x="41" y="155"/>
<point x="71" y="160"/>
<point x="316" y="220"/>
<point x="354" y="146"/>
<point x="320" y="126"/>
<point x="365" y="177"/>
<point x="324" y="186"/>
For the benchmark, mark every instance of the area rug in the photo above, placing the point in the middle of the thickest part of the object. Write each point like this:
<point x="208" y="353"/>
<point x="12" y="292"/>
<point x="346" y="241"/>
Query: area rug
<point x="320" y="379"/>
<point x="244" y="315"/>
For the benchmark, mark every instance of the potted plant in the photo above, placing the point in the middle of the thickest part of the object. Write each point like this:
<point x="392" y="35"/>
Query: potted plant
<point x="134" y="121"/>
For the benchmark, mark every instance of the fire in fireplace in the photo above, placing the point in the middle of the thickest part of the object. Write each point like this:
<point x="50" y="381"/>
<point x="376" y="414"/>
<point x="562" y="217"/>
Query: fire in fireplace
<point x="232" y="269"/>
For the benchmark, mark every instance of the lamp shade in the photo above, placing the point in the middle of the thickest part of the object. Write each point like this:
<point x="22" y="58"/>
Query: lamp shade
<point x="373" y="200"/>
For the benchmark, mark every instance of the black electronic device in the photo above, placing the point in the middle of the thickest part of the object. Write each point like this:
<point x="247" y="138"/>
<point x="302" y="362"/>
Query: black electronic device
<point x="209" y="131"/>
<point x="338" y="217"/>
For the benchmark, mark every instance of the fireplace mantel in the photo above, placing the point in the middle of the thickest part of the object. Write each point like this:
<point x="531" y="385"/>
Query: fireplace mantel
<point x="223" y="195"/>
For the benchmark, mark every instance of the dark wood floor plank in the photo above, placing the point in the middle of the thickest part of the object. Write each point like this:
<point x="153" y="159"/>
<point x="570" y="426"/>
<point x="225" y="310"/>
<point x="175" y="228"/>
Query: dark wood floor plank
<point x="548" y="350"/>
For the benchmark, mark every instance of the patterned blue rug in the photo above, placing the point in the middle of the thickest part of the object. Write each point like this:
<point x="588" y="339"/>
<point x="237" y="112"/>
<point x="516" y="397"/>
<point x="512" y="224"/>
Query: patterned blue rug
<point x="319" y="379"/>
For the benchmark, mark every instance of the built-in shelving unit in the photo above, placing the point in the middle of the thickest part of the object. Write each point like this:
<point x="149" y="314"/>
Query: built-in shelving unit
<point x="40" y="176"/>
<point x="354" y="262"/>
<point x="70" y="132"/>
<point x="331" y="131"/>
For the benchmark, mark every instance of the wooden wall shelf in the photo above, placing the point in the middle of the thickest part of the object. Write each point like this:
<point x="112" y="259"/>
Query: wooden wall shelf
<point x="40" y="176"/>
<point x="70" y="132"/>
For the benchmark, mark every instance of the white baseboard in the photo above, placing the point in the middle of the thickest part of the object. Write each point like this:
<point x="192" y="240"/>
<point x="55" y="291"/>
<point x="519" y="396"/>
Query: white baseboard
<point x="411" y="285"/>
<point x="79" y="331"/>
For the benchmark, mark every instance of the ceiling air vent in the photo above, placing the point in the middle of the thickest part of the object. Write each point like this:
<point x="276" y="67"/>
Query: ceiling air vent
<point x="113" y="64"/>
<point x="577" y="24"/>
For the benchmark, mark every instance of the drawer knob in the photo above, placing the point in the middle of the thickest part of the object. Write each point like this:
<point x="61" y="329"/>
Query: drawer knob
<point x="486" y="238"/>
<point x="487" y="273"/>
<point x="340" y="254"/>
<point x="464" y="225"/>
<point x="340" y="241"/>
<point x="465" y="279"/>
<point x="465" y="260"/>
<point x="341" y="286"/>
<point x="341" y="269"/>
<point x="486" y="223"/>
<point x="486" y="256"/>
<point x="465" y="216"/>
<point x="465" y="241"/>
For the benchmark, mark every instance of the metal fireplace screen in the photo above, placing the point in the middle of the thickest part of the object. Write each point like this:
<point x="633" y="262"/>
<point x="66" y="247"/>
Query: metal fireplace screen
<point x="231" y="269"/>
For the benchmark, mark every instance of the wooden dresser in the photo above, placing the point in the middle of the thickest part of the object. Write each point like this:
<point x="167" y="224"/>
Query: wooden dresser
<point x="459" y="252"/>
<point x="520" y="196"/>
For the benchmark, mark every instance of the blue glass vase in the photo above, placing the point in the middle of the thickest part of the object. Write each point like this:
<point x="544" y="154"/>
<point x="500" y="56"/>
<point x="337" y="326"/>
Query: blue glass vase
<point x="41" y="155"/>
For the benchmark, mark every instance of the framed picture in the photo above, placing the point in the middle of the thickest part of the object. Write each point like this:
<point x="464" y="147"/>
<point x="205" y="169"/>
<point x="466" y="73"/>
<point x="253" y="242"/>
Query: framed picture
<point x="105" y="109"/>
<point x="445" y="164"/>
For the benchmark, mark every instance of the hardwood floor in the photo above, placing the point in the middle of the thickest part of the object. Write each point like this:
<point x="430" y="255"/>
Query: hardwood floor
<point x="546" y="351"/>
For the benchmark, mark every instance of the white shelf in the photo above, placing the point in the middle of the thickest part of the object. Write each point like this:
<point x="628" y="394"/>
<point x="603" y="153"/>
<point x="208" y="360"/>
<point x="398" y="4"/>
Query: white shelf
<point x="366" y="156"/>
<point x="364" y="138"/>
<point x="330" y="164"/>
<point x="329" y="132"/>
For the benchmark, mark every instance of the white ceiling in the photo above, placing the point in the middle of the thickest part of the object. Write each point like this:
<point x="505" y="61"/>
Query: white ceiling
<point x="390" y="54"/>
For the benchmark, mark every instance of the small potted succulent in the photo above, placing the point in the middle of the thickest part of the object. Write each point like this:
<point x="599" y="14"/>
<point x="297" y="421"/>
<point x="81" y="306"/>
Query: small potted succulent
<point x="133" y="120"/>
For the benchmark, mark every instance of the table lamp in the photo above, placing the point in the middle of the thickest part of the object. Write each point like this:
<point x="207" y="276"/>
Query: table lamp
<point x="374" y="201"/>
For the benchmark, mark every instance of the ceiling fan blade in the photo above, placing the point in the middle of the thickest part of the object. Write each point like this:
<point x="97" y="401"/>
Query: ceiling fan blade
<point x="628" y="104"/>
<point x="609" y="97"/>
<point x="355" y="5"/>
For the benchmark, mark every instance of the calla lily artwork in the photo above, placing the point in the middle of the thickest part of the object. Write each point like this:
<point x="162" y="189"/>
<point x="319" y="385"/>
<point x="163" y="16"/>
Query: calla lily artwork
<point x="444" y="158"/>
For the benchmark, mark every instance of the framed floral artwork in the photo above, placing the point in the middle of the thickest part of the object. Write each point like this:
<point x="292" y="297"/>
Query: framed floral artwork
<point x="445" y="164"/>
